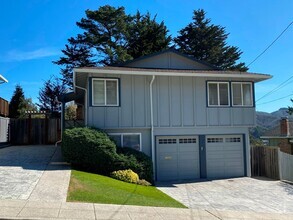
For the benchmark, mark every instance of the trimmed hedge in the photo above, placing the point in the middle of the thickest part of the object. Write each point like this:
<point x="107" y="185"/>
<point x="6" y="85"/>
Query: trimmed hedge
<point x="92" y="150"/>
<point x="89" y="149"/>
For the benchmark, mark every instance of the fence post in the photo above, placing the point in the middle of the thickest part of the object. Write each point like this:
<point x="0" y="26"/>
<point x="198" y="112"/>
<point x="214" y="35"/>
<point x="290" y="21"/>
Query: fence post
<point x="279" y="164"/>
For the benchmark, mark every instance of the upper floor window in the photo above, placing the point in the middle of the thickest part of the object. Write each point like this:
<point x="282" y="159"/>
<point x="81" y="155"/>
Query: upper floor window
<point x="105" y="92"/>
<point x="218" y="94"/>
<point x="242" y="94"/>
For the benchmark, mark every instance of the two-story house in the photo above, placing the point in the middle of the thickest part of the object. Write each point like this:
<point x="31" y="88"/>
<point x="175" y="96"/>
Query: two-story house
<point x="190" y="117"/>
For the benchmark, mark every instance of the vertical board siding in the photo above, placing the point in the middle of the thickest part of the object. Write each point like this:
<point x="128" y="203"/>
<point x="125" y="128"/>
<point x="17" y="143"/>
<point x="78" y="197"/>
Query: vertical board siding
<point x="188" y="100"/>
<point x="286" y="166"/>
<point x="138" y="102"/>
<point x="177" y="102"/>
<point x="175" y="109"/>
<point x="164" y="104"/>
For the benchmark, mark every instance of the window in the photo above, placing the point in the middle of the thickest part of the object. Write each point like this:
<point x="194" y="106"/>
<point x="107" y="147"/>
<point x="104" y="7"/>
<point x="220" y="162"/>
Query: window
<point x="187" y="140"/>
<point x="105" y="92"/>
<point x="218" y="94"/>
<point x="167" y="141"/>
<point x="233" y="140"/>
<point x="242" y="94"/>
<point x="215" y="140"/>
<point x="132" y="140"/>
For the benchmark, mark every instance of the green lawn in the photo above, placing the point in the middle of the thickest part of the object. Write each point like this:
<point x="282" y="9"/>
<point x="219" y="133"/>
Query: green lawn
<point x="88" y="187"/>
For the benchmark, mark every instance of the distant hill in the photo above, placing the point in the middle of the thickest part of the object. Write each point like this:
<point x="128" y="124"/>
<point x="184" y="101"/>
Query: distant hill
<point x="266" y="121"/>
<point x="270" y="120"/>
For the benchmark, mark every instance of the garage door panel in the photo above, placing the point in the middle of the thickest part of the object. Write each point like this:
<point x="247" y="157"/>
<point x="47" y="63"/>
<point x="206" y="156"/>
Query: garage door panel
<point x="224" y="156"/>
<point x="179" y="160"/>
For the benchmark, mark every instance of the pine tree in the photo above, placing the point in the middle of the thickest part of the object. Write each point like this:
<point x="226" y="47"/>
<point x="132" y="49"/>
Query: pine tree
<point x="15" y="102"/>
<point x="48" y="95"/>
<point x="207" y="42"/>
<point x="110" y="36"/>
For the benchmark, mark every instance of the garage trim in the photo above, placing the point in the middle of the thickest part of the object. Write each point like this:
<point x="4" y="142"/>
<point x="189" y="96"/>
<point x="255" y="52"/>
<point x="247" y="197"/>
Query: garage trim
<point x="202" y="156"/>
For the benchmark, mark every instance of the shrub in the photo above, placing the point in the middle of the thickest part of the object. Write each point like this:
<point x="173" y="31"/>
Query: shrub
<point x="143" y="183"/>
<point x="89" y="149"/>
<point x="125" y="175"/>
<point x="136" y="161"/>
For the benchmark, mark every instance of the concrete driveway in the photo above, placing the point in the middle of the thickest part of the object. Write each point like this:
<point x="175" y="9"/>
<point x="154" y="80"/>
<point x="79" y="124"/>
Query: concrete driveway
<point x="33" y="173"/>
<point x="238" y="194"/>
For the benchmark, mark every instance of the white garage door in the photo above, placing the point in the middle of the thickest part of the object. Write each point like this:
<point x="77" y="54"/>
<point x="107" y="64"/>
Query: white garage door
<point x="224" y="156"/>
<point x="177" y="158"/>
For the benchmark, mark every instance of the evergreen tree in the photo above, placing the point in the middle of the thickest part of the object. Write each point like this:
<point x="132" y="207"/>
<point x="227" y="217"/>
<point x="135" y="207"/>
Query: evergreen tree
<point x="207" y="42"/>
<point x="15" y="102"/>
<point x="48" y="95"/>
<point x="146" y="36"/>
<point x="110" y="37"/>
<point x="26" y="104"/>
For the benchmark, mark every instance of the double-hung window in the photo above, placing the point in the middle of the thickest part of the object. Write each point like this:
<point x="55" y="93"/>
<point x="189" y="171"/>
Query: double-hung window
<point x="242" y="94"/>
<point x="105" y="92"/>
<point x="132" y="140"/>
<point x="218" y="94"/>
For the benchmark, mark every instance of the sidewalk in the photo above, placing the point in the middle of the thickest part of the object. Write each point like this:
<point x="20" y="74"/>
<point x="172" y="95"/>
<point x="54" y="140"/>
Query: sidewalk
<point x="25" y="209"/>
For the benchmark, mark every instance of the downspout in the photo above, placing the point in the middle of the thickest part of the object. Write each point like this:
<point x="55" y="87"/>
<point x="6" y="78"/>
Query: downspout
<point x="152" y="123"/>
<point x="85" y="104"/>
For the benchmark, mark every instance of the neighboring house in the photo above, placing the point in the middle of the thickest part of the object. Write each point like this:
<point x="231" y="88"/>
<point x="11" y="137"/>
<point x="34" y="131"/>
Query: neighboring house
<point x="189" y="116"/>
<point x="280" y="136"/>
<point x="4" y="112"/>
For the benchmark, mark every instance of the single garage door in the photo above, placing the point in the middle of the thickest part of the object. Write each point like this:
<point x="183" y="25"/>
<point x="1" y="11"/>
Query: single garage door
<point x="177" y="158"/>
<point x="224" y="156"/>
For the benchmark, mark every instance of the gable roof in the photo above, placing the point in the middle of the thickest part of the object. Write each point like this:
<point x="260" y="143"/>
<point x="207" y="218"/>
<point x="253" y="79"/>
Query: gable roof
<point x="170" y="51"/>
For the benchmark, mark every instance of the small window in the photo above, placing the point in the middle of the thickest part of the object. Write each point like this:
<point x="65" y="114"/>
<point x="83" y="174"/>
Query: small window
<point x="233" y="140"/>
<point x="215" y="140"/>
<point x="218" y="94"/>
<point x="242" y="94"/>
<point x="167" y="141"/>
<point x="127" y="140"/>
<point x="187" y="140"/>
<point x="105" y="92"/>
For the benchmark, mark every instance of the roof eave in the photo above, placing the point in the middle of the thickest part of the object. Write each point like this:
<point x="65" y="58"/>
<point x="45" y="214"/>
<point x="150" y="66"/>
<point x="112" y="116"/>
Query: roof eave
<point x="217" y="74"/>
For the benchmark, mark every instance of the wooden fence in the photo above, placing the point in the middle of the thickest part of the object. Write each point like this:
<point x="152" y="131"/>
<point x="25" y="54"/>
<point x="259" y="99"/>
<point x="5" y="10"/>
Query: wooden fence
<point x="4" y="108"/>
<point x="4" y="130"/>
<point x="272" y="163"/>
<point x="286" y="166"/>
<point x="35" y="131"/>
<point x="265" y="162"/>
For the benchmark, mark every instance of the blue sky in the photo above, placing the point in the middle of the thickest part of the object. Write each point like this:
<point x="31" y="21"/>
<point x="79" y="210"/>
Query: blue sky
<point x="34" y="32"/>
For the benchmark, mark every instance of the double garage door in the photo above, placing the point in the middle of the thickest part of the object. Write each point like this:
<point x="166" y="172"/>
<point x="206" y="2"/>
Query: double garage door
<point x="183" y="158"/>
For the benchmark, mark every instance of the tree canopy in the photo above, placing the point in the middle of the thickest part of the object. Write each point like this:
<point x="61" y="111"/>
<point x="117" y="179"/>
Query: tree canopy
<point x="111" y="36"/>
<point x="290" y="108"/>
<point x="207" y="42"/>
<point x="19" y="104"/>
<point x="49" y="93"/>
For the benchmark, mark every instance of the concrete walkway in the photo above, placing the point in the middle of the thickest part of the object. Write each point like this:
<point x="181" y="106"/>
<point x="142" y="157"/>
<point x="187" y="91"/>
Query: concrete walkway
<point x="17" y="209"/>
<point x="33" y="173"/>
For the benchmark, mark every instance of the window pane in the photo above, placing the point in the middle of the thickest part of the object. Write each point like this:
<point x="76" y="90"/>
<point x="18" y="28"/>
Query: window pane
<point x="116" y="138"/>
<point x="224" y="98"/>
<point x="111" y="92"/>
<point x="99" y="92"/>
<point x="213" y="94"/>
<point x="247" y="100"/>
<point x="236" y="94"/>
<point x="132" y="141"/>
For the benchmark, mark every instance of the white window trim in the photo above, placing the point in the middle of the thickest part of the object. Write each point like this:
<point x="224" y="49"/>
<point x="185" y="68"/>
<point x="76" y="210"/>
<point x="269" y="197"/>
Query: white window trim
<point x="241" y="90"/>
<point x="105" y="90"/>
<point x="122" y="134"/>
<point x="218" y="91"/>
